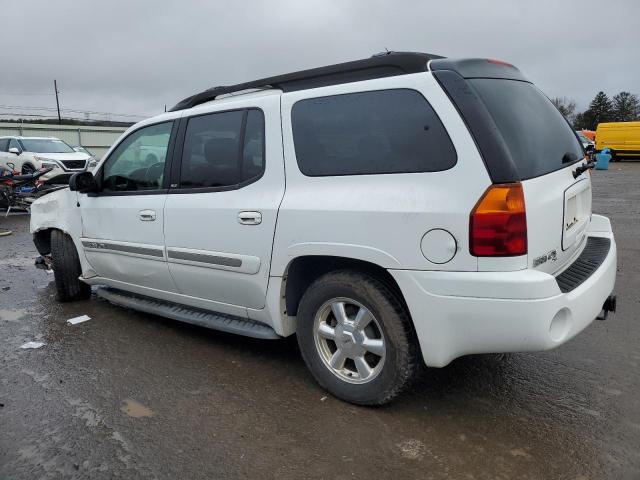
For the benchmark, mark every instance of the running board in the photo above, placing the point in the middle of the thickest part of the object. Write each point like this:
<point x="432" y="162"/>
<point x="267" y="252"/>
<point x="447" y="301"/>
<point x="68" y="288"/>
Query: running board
<point x="203" y="318"/>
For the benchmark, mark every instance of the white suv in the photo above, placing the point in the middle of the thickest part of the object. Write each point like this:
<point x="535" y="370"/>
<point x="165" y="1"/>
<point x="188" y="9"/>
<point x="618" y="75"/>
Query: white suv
<point x="391" y="212"/>
<point x="30" y="154"/>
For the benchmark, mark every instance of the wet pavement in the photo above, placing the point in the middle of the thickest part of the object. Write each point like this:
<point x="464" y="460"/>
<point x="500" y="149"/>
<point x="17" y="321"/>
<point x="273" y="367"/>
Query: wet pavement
<point x="130" y="395"/>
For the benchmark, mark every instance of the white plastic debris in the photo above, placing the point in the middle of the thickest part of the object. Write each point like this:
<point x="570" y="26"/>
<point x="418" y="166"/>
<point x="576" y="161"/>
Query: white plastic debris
<point x="32" y="345"/>
<point x="80" y="319"/>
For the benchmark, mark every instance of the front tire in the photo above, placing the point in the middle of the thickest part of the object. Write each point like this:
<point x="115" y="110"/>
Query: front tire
<point x="356" y="338"/>
<point x="67" y="269"/>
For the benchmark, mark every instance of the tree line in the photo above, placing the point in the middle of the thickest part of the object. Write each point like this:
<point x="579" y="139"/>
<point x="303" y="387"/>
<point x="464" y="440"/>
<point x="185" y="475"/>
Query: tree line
<point x="623" y="107"/>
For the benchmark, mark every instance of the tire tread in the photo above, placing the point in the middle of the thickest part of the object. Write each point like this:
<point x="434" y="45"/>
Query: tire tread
<point x="405" y="341"/>
<point x="67" y="269"/>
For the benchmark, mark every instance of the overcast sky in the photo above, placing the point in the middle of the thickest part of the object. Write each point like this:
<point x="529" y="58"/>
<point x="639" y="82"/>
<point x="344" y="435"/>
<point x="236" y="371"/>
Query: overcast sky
<point x="133" y="57"/>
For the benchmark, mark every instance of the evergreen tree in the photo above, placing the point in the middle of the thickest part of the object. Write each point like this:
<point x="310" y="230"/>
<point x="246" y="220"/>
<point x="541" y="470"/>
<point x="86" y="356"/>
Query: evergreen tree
<point x="600" y="110"/>
<point x="626" y="107"/>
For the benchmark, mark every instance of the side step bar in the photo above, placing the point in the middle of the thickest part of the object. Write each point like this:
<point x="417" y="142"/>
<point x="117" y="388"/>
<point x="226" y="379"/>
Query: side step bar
<point x="203" y="318"/>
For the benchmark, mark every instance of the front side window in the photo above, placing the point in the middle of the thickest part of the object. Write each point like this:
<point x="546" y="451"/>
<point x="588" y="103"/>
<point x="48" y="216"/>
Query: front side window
<point x="223" y="149"/>
<point x="138" y="161"/>
<point x="379" y="132"/>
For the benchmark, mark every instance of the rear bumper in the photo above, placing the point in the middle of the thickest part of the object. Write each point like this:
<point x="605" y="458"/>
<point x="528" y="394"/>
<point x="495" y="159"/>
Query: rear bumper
<point x="461" y="313"/>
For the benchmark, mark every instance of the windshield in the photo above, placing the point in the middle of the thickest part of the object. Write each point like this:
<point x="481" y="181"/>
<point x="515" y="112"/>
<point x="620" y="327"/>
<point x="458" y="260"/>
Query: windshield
<point x="537" y="135"/>
<point x="45" y="145"/>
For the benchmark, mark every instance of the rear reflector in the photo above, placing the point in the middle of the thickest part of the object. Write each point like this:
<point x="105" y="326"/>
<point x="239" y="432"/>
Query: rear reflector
<point x="498" y="222"/>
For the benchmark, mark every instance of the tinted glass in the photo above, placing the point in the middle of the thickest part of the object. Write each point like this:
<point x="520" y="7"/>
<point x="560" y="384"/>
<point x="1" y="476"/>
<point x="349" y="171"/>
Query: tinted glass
<point x="537" y="135"/>
<point x="137" y="163"/>
<point x="45" y="145"/>
<point x="388" y="131"/>
<point x="212" y="155"/>
<point x="253" y="149"/>
<point x="13" y="143"/>
<point x="4" y="144"/>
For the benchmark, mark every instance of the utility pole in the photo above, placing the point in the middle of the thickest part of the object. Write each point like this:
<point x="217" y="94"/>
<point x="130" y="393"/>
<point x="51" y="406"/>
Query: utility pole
<point x="55" y="87"/>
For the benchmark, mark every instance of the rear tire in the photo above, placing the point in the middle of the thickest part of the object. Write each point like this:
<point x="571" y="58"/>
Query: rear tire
<point x="28" y="169"/>
<point x="67" y="269"/>
<point x="388" y="344"/>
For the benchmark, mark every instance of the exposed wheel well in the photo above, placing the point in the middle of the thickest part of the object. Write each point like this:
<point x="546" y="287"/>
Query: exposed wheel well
<point x="302" y="271"/>
<point x="42" y="241"/>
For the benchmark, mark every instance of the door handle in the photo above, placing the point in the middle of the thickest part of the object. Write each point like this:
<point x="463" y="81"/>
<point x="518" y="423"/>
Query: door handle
<point x="250" y="218"/>
<point x="147" y="215"/>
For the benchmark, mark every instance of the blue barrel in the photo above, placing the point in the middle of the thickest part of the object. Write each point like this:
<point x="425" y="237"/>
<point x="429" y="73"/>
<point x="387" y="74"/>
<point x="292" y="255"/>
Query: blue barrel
<point x="602" y="161"/>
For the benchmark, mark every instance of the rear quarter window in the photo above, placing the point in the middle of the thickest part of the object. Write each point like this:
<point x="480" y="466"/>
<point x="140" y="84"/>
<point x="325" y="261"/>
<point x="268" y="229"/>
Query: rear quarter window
<point x="365" y="133"/>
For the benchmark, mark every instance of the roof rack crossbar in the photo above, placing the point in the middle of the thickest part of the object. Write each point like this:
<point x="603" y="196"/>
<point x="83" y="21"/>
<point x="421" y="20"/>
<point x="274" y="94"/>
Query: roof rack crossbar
<point x="378" y="66"/>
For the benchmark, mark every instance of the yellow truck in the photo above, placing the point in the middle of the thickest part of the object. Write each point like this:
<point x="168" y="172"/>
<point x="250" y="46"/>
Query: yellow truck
<point x="623" y="138"/>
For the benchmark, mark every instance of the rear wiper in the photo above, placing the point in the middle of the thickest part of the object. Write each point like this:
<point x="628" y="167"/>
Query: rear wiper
<point x="583" y="168"/>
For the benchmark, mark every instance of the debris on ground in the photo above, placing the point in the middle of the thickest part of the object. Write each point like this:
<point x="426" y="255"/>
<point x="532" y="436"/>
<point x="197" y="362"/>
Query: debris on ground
<point x="80" y="319"/>
<point x="32" y="345"/>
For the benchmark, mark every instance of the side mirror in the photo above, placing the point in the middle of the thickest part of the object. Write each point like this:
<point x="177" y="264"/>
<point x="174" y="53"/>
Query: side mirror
<point x="14" y="150"/>
<point x="83" y="182"/>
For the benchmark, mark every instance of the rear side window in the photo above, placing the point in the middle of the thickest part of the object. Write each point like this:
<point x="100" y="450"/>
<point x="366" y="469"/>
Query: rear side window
<point x="4" y="144"/>
<point x="385" y="131"/>
<point x="538" y="137"/>
<point x="223" y="149"/>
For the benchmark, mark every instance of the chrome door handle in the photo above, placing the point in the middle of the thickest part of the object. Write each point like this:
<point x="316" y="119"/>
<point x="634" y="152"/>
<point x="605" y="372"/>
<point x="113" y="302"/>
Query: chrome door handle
<point x="250" y="218"/>
<point x="147" y="215"/>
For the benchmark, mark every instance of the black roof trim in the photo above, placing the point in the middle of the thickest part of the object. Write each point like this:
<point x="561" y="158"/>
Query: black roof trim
<point x="479" y="68"/>
<point x="378" y="66"/>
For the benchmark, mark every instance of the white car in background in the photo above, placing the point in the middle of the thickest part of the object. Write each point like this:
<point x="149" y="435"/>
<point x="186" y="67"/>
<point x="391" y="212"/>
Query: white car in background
<point x="30" y="154"/>
<point x="93" y="160"/>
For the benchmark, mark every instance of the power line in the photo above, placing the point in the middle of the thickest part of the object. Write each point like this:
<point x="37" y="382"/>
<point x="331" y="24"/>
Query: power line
<point x="24" y="93"/>
<point x="70" y="110"/>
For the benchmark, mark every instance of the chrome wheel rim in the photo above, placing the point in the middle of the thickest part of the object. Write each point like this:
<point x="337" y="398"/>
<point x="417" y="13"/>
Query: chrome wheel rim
<point x="349" y="340"/>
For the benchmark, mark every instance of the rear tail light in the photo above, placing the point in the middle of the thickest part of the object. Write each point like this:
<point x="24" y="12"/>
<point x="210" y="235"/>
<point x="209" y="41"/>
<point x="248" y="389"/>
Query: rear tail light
<point x="498" y="222"/>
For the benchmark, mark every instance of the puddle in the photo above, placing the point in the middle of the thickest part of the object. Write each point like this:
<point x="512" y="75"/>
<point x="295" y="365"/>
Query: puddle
<point x="12" y="315"/>
<point x="135" y="409"/>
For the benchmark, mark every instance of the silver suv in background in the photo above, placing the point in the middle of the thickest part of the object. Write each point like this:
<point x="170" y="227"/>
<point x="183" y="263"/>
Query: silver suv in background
<point x="30" y="154"/>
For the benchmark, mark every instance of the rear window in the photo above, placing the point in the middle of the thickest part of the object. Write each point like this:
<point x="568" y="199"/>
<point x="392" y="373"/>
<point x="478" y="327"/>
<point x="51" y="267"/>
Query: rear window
<point x="537" y="135"/>
<point x="386" y="131"/>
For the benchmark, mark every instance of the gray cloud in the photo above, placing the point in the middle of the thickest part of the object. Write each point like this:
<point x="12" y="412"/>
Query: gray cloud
<point x="136" y="56"/>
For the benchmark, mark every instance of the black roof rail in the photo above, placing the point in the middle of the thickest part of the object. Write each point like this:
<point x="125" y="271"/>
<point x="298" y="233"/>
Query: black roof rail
<point x="386" y="64"/>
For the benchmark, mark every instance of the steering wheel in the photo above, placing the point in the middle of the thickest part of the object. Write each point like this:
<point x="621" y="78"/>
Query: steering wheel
<point x="154" y="173"/>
